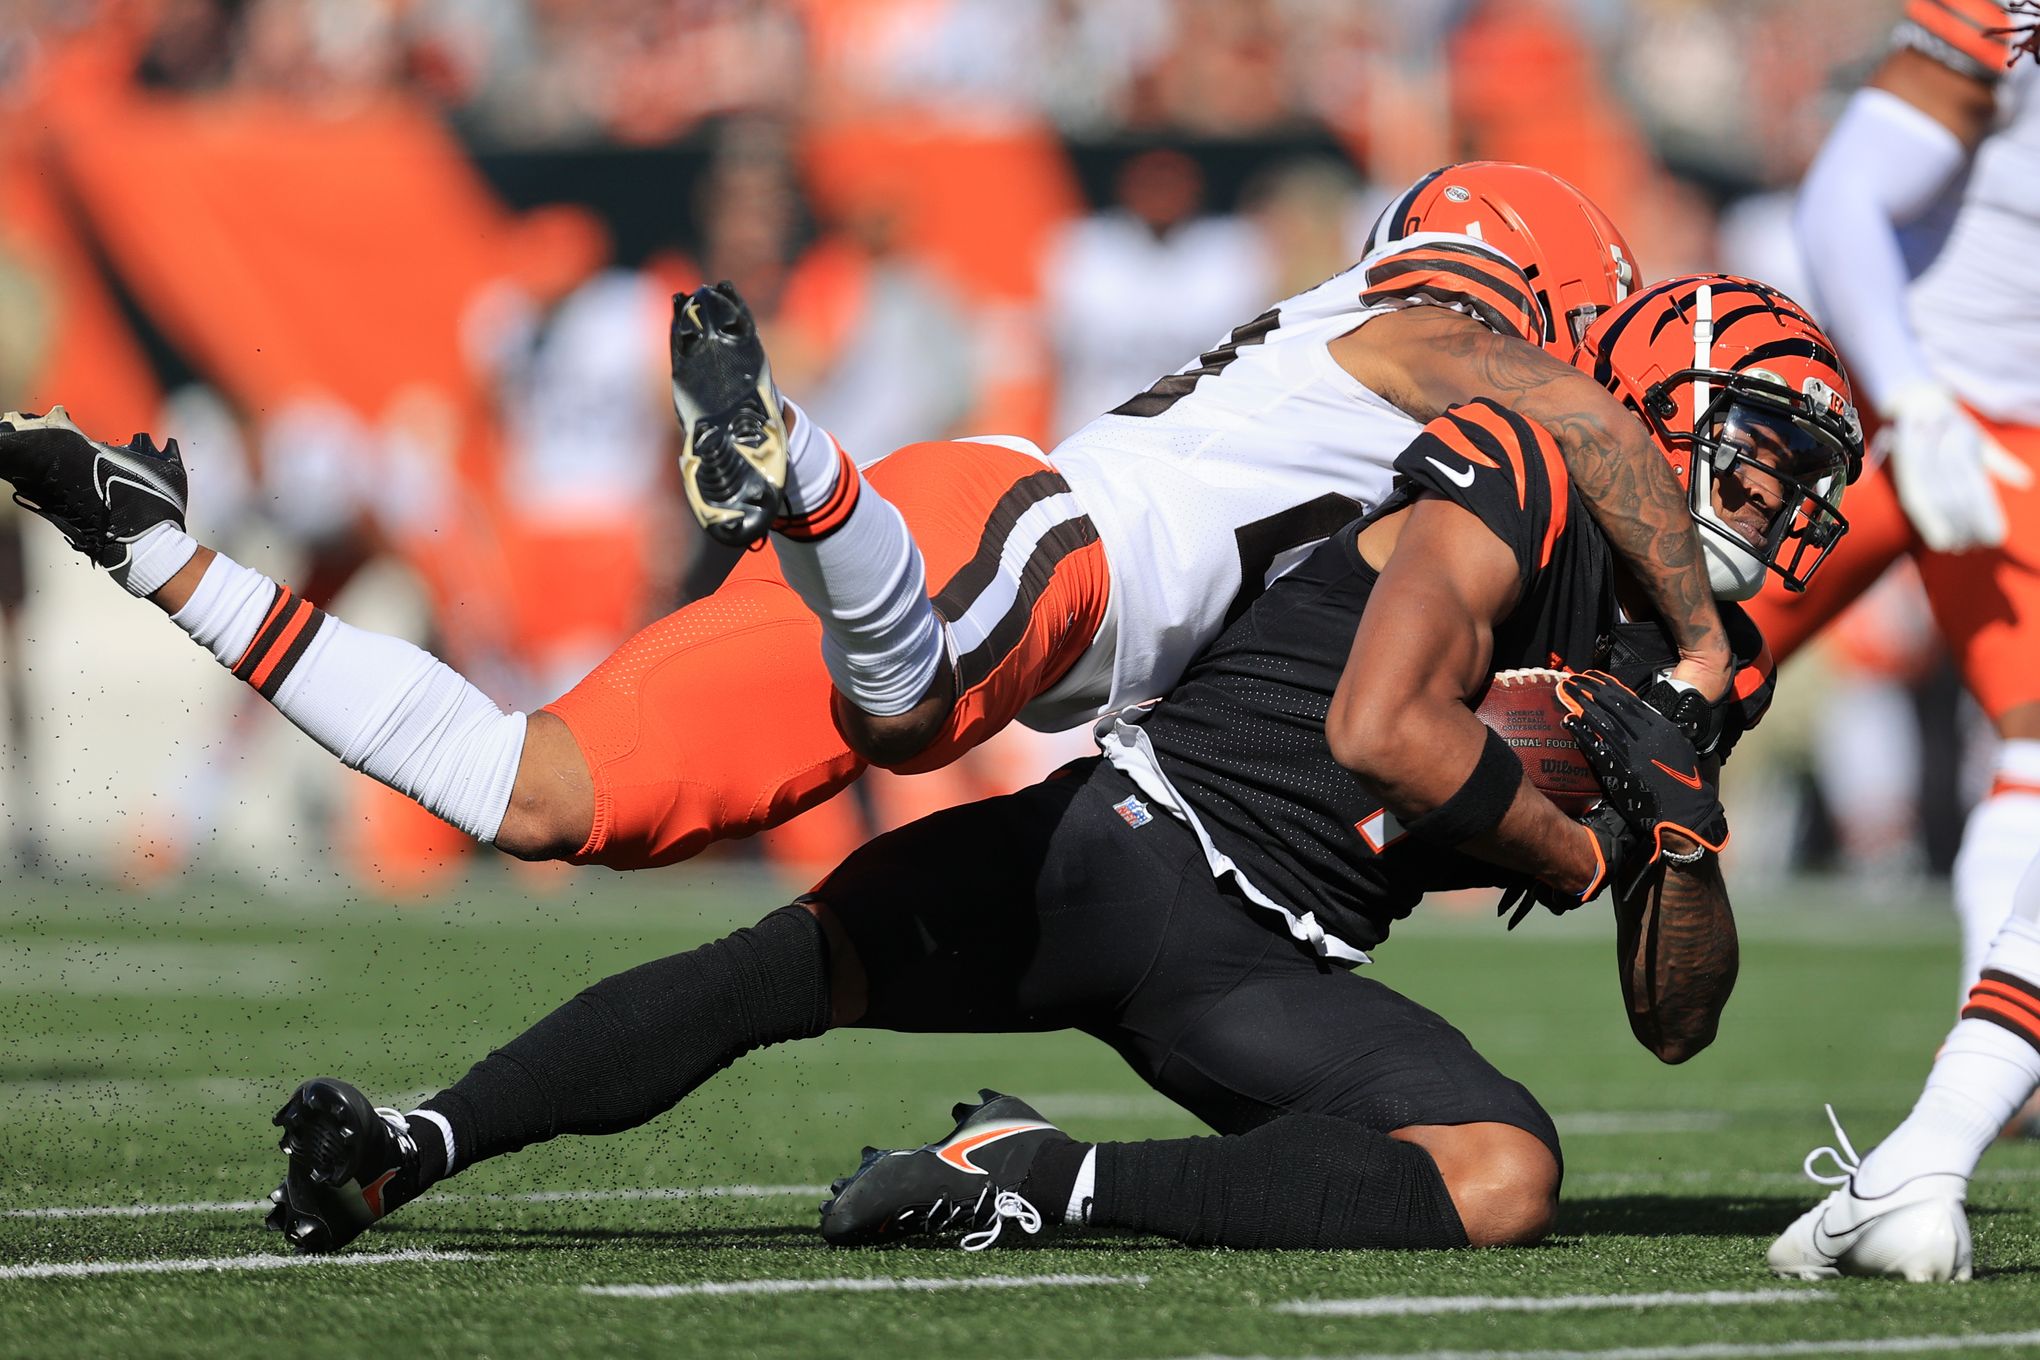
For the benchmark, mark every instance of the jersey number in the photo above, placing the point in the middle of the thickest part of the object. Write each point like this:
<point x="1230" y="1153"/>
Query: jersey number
<point x="1176" y="386"/>
<point x="1267" y="539"/>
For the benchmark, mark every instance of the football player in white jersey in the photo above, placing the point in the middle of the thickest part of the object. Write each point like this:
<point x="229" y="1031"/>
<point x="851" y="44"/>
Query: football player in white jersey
<point x="1921" y="226"/>
<point x="1063" y="585"/>
<point x="1161" y="520"/>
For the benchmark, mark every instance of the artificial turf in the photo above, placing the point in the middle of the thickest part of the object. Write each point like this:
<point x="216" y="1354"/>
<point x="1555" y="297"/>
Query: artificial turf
<point x="148" y="1040"/>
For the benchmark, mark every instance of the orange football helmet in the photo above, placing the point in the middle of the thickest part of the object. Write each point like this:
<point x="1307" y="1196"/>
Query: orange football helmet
<point x="1745" y="397"/>
<point x="1577" y="262"/>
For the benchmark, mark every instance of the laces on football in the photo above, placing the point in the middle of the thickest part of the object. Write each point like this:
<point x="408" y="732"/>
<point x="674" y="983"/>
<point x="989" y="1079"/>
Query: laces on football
<point x="1846" y="1159"/>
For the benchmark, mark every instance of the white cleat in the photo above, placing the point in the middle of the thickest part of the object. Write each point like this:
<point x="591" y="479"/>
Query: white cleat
<point x="1917" y="1232"/>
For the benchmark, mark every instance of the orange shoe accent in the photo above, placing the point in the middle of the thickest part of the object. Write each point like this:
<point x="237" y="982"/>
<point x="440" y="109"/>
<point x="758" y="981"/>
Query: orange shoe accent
<point x="957" y="1154"/>
<point x="371" y="1194"/>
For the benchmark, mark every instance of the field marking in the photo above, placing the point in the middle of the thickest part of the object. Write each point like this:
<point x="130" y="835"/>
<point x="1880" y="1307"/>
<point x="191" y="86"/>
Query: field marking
<point x="1419" y="1306"/>
<point x="1715" y="1350"/>
<point x="72" y="1270"/>
<point x="675" y="1192"/>
<point x="2007" y="1175"/>
<point x="238" y="1206"/>
<point x="197" y="1206"/>
<point x="853" y="1284"/>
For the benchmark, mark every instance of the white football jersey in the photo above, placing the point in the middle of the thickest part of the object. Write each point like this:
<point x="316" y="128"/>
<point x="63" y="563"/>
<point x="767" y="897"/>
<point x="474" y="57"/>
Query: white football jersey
<point x="1976" y="308"/>
<point x="1223" y="475"/>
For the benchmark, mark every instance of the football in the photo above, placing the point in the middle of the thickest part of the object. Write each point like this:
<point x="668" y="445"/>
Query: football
<point x="1523" y="705"/>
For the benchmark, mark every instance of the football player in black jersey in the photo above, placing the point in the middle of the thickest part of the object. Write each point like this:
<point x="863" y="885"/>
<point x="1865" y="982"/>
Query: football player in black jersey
<point x="1197" y="898"/>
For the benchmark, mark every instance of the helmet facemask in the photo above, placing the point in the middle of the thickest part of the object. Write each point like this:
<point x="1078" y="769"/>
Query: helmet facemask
<point x="1765" y="471"/>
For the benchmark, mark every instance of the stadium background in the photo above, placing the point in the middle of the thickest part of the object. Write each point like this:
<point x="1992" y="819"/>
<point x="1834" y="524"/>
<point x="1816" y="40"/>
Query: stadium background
<point x="395" y="272"/>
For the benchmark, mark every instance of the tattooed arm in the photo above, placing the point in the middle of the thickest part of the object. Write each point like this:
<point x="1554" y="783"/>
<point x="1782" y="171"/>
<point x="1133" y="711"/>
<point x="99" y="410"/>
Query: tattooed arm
<point x="1425" y="359"/>
<point x="1675" y="943"/>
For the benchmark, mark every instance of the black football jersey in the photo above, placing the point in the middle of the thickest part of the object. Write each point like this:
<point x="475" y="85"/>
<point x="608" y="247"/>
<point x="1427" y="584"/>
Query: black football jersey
<point x="1242" y="737"/>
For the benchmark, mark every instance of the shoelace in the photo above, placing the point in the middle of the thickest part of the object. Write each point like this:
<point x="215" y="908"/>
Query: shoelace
<point x="407" y="1146"/>
<point x="1006" y="1205"/>
<point x="1848" y="1163"/>
<point x="946" y="1215"/>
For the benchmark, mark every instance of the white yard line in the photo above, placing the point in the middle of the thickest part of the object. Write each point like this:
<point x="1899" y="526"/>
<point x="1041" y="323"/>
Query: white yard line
<point x="72" y="1270"/>
<point x="852" y="1284"/>
<point x="1419" y="1306"/>
<point x="239" y="1206"/>
<point x="1662" y="1179"/>
<point x="675" y="1192"/>
<point x="1718" y="1350"/>
<point x="197" y="1206"/>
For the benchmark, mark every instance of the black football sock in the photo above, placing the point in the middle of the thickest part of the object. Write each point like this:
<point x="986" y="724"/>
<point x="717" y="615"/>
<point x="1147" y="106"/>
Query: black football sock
<point x="1052" y="1175"/>
<point x="1303" y="1180"/>
<point x="628" y="1048"/>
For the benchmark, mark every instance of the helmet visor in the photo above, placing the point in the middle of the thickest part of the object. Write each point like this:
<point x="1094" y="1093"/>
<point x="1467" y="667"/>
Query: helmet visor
<point x="1776" y="479"/>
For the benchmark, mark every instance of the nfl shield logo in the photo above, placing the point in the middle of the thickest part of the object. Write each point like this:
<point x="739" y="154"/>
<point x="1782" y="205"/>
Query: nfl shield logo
<point x="1133" y="812"/>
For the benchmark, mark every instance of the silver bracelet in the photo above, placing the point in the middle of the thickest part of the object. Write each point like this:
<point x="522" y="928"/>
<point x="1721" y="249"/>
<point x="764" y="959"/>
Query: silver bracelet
<point x="1693" y="856"/>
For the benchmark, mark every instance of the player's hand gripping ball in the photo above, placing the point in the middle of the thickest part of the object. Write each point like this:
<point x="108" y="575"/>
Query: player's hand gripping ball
<point x="1647" y="766"/>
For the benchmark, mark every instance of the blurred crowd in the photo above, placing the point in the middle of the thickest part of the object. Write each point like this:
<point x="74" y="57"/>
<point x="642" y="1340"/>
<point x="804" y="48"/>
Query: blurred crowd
<point x="396" y="272"/>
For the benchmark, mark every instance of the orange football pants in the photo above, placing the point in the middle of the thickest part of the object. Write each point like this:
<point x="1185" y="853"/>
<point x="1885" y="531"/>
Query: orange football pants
<point x="1986" y="603"/>
<point x="717" y="721"/>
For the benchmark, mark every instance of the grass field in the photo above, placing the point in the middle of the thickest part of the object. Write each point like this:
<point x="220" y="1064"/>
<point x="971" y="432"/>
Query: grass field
<point x="148" y="1040"/>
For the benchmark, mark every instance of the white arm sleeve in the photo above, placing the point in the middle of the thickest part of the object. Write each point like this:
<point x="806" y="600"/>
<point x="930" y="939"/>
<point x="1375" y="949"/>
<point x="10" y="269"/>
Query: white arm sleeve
<point x="1883" y="166"/>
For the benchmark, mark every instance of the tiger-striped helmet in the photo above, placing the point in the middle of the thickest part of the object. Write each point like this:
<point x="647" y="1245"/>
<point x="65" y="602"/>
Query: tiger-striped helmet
<point x="1577" y="262"/>
<point x="1746" y="398"/>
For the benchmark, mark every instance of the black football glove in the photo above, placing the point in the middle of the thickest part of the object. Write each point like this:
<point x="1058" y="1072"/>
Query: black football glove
<point x="1625" y="859"/>
<point x="1648" y="768"/>
<point x="1689" y="711"/>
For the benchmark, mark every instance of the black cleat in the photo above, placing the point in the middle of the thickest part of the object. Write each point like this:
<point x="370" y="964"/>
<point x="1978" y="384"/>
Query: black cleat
<point x="101" y="497"/>
<point x="350" y="1164"/>
<point x="733" y="460"/>
<point x="967" y="1183"/>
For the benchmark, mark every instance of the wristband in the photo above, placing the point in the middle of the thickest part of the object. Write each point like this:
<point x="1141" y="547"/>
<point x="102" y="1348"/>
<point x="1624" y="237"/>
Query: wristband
<point x="1481" y="802"/>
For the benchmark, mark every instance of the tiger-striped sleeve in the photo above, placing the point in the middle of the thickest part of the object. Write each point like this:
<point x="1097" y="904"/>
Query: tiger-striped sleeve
<point x="1504" y="468"/>
<point x="1459" y="272"/>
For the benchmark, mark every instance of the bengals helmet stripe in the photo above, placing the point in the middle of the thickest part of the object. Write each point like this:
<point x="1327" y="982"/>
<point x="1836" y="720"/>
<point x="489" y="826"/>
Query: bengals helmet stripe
<point x="1968" y="36"/>
<point x="1462" y="274"/>
<point x="1745" y="398"/>
<point x="1574" y="262"/>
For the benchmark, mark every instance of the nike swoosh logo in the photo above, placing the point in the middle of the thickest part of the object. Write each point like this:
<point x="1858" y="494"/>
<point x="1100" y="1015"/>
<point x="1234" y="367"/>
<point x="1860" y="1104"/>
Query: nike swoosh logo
<point x="1691" y="781"/>
<point x="1832" y="1245"/>
<point x="108" y="471"/>
<point x="1462" y="477"/>
<point x="957" y="1154"/>
<point x="371" y="1194"/>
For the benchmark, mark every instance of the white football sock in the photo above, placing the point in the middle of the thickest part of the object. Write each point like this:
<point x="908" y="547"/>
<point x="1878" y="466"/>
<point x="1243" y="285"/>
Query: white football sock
<point x="863" y="577"/>
<point x="159" y="554"/>
<point x="1078" y="1210"/>
<point x="445" y="1127"/>
<point x="813" y="462"/>
<point x="2000" y="840"/>
<point x="385" y="707"/>
<point x="1985" y="1070"/>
